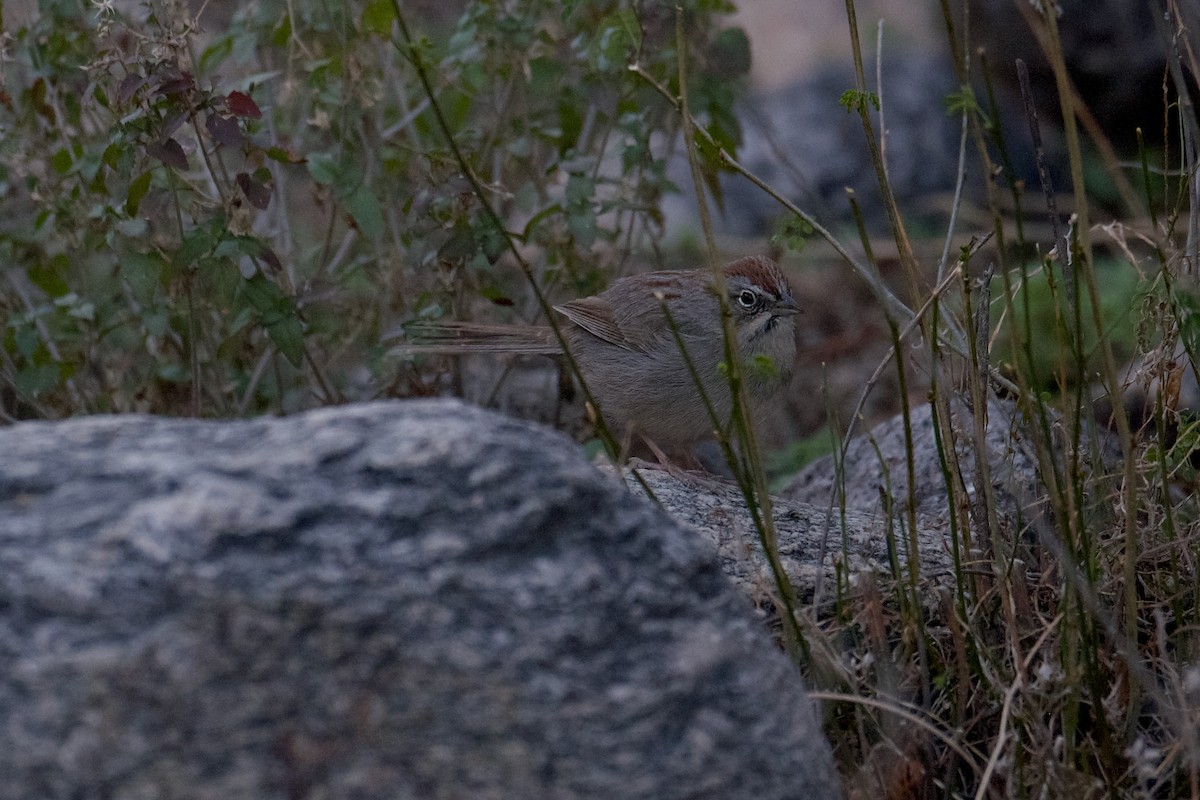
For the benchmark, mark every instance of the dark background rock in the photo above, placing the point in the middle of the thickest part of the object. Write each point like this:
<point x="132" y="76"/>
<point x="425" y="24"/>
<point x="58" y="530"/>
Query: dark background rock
<point x="802" y="142"/>
<point x="393" y="600"/>
<point x="1115" y="50"/>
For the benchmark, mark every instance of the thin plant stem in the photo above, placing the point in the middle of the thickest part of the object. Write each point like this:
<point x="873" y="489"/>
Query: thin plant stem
<point x="908" y="259"/>
<point x="1129" y="500"/>
<point x="752" y="481"/>
<point x="986" y="519"/>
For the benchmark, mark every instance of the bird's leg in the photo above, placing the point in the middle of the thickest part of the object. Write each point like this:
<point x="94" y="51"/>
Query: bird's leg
<point x="682" y="465"/>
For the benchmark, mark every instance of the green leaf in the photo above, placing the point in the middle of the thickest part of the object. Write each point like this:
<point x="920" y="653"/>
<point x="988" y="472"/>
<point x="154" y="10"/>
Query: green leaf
<point x="37" y="378"/>
<point x="155" y="321"/>
<point x="215" y="53"/>
<point x="284" y="156"/>
<point x="456" y="107"/>
<point x="282" y="32"/>
<point x="48" y="276"/>
<point x="496" y="295"/>
<point x="962" y="101"/>
<point x="461" y="245"/>
<point x="174" y="373"/>
<point x="137" y="190"/>
<point x="368" y="216"/>
<point x="583" y="227"/>
<point x="196" y="243"/>
<point x="545" y="76"/>
<point x="855" y="100"/>
<point x="619" y="37"/>
<point x="1188" y="317"/>
<point x="537" y="219"/>
<point x="25" y="339"/>
<point x="792" y="233"/>
<point x="145" y="273"/>
<point x="112" y="155"/>
<point x="580" y="189"/>
<point x="378" y="17"/>
<point x="570" y="123"/>
<point x="241" y="320"/>
<point x="277" y="314"/>
<point x="323" y="167"/>
<point x="62" y="161"/>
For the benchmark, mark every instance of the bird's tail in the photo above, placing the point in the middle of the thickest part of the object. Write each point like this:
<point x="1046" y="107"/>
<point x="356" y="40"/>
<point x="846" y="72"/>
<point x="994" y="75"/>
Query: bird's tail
<point x="458" y="338"/>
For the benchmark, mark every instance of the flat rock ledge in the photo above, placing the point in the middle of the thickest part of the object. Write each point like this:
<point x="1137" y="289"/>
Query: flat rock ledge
<point x="813" y="545"/>
<point x="394" y="600"/>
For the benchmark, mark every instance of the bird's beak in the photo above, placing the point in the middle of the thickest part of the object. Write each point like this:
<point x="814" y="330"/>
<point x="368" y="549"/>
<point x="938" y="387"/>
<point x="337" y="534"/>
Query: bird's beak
<point x="785" y="307"/>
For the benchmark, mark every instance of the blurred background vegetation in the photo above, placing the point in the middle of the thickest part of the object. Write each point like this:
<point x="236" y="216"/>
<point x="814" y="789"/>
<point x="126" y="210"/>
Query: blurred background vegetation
<point x="218" y="210"/>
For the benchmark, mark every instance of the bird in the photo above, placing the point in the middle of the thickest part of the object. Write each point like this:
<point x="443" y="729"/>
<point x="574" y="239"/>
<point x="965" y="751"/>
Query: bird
<point x="627" y="342"/>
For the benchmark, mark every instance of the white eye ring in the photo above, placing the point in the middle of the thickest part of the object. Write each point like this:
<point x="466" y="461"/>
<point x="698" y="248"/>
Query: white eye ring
<point x="747" y="298"/>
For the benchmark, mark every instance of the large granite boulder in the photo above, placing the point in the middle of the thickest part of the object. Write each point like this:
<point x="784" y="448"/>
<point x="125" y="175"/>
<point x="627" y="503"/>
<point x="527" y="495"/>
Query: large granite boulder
<point x="401" y="600"/>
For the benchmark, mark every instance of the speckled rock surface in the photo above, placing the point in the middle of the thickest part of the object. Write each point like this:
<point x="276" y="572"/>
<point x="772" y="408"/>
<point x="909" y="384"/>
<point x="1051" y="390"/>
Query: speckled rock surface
<point x="813" y="545"/>
<point x="875" y="466"/>
<point x="397" y="600"/>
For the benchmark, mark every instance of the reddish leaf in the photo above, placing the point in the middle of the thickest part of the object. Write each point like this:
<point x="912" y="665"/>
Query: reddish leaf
<point x="129" y="87"/>
<point x="172" y="123"/>
<point x="37" y="98"/>
<point x="242" y="105"/>
<point x="169" y="152"/>
<point x="175" y="82"/>
<point x="224" y="130"/>
<point x="258" y="194"/>
<point x="268" y="255"/>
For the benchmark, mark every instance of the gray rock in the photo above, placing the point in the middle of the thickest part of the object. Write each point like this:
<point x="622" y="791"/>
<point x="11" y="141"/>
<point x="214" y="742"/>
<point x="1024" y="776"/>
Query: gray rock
<point x="810" y="542"/>
<point x="391" y="600"/>
<point x="876" y="466"/>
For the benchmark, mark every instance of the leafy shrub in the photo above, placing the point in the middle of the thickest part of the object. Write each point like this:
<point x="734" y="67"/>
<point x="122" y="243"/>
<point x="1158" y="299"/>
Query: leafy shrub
<point x="224" y="223"/>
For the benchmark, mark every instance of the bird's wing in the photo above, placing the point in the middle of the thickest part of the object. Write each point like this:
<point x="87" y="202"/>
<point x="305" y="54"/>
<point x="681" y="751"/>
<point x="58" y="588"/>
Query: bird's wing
<point x="595" y="316"/>
<point x="456" y="338"/>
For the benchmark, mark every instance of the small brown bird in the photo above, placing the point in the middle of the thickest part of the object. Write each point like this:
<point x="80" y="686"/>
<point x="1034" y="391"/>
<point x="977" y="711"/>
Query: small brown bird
<point x="631" y="359"/>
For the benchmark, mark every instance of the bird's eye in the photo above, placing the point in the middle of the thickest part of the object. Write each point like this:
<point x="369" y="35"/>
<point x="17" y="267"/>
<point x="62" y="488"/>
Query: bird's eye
<point x="747" y="298"/>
